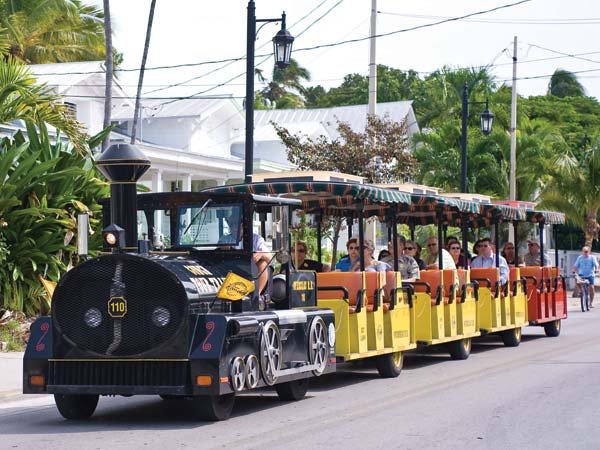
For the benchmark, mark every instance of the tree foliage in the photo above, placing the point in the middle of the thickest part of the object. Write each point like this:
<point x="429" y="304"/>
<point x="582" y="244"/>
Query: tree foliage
<point x="565" y="84"/>
<point x="381" y="153"/>
<point x="45" y="182"/>
<point x="50" y="31"/>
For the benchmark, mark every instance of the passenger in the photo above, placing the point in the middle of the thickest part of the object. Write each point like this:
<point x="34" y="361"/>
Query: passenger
<point x="508" y="251"/>
<point x="487" y="258"/>
<point x="586" y="266"/>
<point x="413" y="249"/>
<point x="383" y="254"/>
<point x="299" y="255"/>
<point x="261" y="254"/>
<point x="533" y="257"/>
<point x="346" y="263"/>
<point x="407" y="266"/>
<point x="371" y="264"/>
<point x="433" y="251"/>
<point x="457" y="254"/>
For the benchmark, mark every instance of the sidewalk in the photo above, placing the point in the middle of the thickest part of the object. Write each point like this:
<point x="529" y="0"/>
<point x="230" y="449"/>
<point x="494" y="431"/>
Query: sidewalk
<point x="11" y="375"/>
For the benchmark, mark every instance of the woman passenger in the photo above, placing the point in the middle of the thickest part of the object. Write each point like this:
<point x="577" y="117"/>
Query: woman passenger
<point x="508" y="251"/>
<point x="413" y="249"/>
<point x="346" y="263"/>
<point x="458" y="256"/>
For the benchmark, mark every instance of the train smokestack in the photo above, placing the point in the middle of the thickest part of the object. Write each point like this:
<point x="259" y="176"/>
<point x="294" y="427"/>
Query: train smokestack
<point x="123" y="165"/>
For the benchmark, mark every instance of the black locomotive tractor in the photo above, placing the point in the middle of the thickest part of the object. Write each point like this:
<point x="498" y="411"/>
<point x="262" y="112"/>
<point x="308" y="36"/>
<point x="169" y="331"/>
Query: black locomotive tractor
<point x="171" y="307"/>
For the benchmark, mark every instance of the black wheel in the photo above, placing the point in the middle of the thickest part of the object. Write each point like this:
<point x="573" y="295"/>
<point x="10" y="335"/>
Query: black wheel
<point x="76" y="407"/>
<point x="292" y="390"/>
<point x="583" y="299"/>
<point x="511" y="338"/>
<point x="460" y="349"/>
<point x="552" y="329"/>
<point x="390" y="364"/>
<point x="213" y="407"/>
<point x="170" y="397"/>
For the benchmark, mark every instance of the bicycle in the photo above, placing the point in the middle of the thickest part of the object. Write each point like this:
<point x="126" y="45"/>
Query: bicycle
<point x="584" y="292"/>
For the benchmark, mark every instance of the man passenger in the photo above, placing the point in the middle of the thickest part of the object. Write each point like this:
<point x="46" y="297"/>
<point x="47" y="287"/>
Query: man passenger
<point x="487" y="258"/>
<point x="432" y="259"/>
<point x="533" y="257"/>
<point x="407" y="266"/>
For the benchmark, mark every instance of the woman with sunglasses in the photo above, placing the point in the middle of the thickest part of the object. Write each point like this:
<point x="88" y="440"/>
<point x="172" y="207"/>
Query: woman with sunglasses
<point x="300" y="261"/>
<point x="458" y="256"/>
<point x="413" y="249"/>
<point x="352" y="259"/>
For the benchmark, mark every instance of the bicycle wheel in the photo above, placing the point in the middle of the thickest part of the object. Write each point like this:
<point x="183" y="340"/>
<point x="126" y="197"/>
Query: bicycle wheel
<point x="587" y="297"/>
<point x="582" y="297"/>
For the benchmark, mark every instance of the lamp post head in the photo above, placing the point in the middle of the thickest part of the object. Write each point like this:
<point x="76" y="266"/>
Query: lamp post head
<point x="282" y="46"/>
<point x="487" y="118"/>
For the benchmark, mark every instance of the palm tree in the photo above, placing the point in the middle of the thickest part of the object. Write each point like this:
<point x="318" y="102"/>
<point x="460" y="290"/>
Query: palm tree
<point x="48" y="31"/>
<point x="109" y="71"/>
<point x="142" y="69"/>
<point x="286" y="86"/>
<point x="22" y="99"/>
<point x="565" y="84"/>
<point x="574" y="188"/>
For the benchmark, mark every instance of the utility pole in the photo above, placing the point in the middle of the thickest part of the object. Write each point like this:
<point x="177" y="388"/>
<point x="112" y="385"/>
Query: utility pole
<point x="513" y="140"/>
<point x="372" y="63"/>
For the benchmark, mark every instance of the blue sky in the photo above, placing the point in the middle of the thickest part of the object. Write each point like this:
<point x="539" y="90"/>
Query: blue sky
<point x="192" y="31"/>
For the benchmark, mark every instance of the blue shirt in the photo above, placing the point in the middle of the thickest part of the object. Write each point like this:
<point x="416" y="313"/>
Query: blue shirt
<point x="484" y="262"/>
<point x="344" y="264"/>
<point x="585" y="265"/>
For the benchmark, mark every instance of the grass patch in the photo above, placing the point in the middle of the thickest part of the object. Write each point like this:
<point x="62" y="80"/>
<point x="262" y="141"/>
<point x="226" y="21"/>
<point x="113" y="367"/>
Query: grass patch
<point x="13" y="334"/>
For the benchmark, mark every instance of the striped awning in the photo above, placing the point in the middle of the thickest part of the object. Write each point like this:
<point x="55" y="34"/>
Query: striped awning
<point x="549" y="217"/>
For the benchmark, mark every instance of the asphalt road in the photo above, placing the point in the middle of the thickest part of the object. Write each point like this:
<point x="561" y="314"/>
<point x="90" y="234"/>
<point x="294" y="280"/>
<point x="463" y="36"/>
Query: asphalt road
<point x="543" y="394"/>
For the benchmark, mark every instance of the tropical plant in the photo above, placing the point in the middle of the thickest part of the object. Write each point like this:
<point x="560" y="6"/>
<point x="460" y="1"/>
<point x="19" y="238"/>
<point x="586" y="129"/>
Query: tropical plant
<point x="574" y="188"/>
<point x="21" y="98"/>
<point x="49" y="31"/>
<point x="44" y="183"/>
<point x="565" y="84"/>
<point x="285" y="90"/>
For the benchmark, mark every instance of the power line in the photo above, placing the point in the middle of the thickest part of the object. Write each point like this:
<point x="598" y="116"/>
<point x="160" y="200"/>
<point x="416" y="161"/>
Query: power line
<point x="586" y="21"/>
<point x="334" y="44"/>
<point x="263" y="45"/>
<point x="565" y="54"/>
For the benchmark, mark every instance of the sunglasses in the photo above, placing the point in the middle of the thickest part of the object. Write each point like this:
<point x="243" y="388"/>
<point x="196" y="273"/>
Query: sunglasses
<point x="409" y="248"/>
<point x="509" y="248"/>
<point x="531" y="245"/>
<point x="454" y="248"/>
<point x="301" y="250"/>
<point x="352" y="247"/>
<point x="432" y="245"/>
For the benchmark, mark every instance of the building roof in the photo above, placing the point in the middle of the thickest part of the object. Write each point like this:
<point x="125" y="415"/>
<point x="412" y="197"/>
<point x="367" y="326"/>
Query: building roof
<point x="63" y="76"/>
<point x="317" y="120"/>
<point x="192" y="107"/>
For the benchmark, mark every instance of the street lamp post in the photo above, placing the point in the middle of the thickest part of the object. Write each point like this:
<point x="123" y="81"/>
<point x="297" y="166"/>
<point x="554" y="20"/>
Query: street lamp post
<point x="486" y="119"/>
<point x="282" y="47"/>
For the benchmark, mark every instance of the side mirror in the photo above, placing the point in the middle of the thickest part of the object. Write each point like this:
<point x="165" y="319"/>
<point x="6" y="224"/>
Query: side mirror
<point x="281" y="232"/>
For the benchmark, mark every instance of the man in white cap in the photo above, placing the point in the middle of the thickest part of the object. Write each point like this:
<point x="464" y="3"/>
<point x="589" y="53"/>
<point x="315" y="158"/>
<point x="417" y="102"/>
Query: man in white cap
<point x="533" y="257"/>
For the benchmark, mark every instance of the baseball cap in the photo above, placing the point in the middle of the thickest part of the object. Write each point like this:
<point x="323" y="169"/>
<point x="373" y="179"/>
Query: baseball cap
<point x="533" y="241"/>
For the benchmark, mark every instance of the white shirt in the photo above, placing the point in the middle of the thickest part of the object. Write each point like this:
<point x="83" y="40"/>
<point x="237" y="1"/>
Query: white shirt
<point x="485" y="262"/>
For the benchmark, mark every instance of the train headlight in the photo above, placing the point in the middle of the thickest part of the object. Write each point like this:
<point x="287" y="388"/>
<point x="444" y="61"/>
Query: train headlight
<point x="114" y="236"/>
<point x="93" y="318"/>
<point x="161" y="316"/>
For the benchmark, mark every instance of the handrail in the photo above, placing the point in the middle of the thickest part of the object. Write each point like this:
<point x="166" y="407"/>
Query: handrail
<point x="486" y="280"/>
<point x="335" y="288"/>
<point x="410" y="290"/>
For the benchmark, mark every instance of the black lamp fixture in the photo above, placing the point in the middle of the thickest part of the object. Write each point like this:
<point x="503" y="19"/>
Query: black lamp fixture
<point x="486" y="119"/>
<point x="282" y="49"/>
<point x="282" y="46"/>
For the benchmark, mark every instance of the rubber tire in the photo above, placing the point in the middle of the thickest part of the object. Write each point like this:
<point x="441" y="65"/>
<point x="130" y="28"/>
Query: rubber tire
<point x="390" y="364"/>
<point x="169" y="398"/>
<point x="292" y="390"/>
<point x="511" y="338"/>
<point x="552" y="329"/>
<point x="76" y="407"/>
<point x="212" y="408"/>
<point x="460" y="349"/>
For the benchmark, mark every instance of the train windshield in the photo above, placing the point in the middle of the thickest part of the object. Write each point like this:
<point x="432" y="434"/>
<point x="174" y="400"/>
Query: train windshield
<point x="210" y="225"/>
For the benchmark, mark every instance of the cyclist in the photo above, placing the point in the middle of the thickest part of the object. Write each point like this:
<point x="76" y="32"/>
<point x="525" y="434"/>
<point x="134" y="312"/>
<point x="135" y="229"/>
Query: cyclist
<point x="586" y="266"/>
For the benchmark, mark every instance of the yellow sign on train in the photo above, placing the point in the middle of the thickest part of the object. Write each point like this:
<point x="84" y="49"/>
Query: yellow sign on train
<point x="235" y="287"/>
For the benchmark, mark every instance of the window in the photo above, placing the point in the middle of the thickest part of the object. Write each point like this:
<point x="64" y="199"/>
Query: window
<point x="210" y="225"/>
